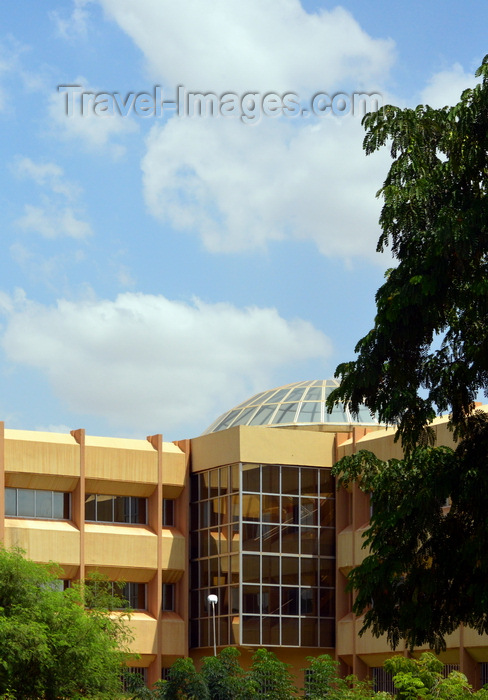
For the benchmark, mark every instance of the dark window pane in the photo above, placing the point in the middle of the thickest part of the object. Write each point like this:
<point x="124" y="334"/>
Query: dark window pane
<point x="271" y="631"/>
<point x="326" y="483"/>
<point x="309" y="481"/>
<point x="90" y="507"/>
<point x="122" y="513"/>
<point x="250" y="478"/>
<point x="250" y="568"/>
<point x="168" y="597"/>
<point x="327" y="512"/>
<point x="234" y="600"/>
<point x="204" y="576"/>
<point x="213" y="483"/>
<point x="271" y="569"/>
<point x="310" y="630"/>
<point x="289" y="601"/>
<point x="223" y="631"/>
<point x="270" y="538"/>
<point x="289" y="631"/>
<point x="251" y="537"/>
<point x="271" y="478"/>
<point x="251" y="507"/>
<point x="327" y="602"/>
<point x="289" y="573"/>
<point x="309" y="540"/>
<point x="204" y="519"/>
<point x="104" y="508"/>
<point x="290" y="509"/>
<point x="271" y="509"/>
<point x="327" y="633"/>
<point x="250" y="599"/>
<point x="250" y="630"/>
<point x="308" y="571"/>
<point x="270" y="600"/>
<point x="168" y="512"/>
<point x="308" y="601"/>
<point x="289" y="540"/>
<point x="327" y="542"/>
<point x="26" y="506"/>
<point x="308" y="511"/>
<point x="194" y="516"/>
<point x="327" y="572"/>
<point x="289" y="480"/>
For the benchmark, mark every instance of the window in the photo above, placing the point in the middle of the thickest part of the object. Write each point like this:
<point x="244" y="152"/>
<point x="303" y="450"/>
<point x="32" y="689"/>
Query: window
<point x="31" y="503"/>
<point x="168" y="512"/>
<point x="135" y="593"/>
<point x="168" y="597"/>
<point x="115" y="509"/>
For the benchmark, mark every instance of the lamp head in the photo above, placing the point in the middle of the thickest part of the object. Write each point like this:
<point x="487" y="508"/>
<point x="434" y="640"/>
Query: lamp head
<point x="212" y="598"/>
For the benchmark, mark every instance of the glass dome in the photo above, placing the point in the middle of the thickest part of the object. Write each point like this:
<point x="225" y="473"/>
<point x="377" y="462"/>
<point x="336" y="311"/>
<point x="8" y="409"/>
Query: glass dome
<point x="298" y="404"/>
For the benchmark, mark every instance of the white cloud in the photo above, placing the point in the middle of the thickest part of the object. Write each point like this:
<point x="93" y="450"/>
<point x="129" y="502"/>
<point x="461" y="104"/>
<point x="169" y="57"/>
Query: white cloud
<point x="445" y="88"/>
<point x="54" y="222"/>
<point x="58" y="216"/>
<point x="149" y="363"/>
<point x="252" y="45"/>
<point x="98" y="131"/>
<point x="75" y="24"/>
<point x="239" y="187"/>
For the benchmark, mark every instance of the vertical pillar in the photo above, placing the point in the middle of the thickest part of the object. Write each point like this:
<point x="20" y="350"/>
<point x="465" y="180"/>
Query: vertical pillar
<point x="467" y="664"/>
<point x="183" y="525"/>
<point x="155" y="586"/>
<point x="2" y="482"/>
<point x="78" y="500"/>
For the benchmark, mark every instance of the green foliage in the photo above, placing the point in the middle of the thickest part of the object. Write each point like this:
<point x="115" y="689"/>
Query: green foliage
<point x="321" y="676"/>
<point x="422" y="678"/>
<point x="184" y="683"/>
<point x="427" y="571"/>
<point x="271" y="677"/>
<point x="50" y="646"/>
<point x="225" y="678"/>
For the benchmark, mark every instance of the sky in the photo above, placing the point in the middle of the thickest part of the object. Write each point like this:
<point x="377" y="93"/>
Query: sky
<point x="160" y="265"/>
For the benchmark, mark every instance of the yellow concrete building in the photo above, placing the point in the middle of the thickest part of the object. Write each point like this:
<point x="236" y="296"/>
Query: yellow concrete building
<point x="247" y="512"/>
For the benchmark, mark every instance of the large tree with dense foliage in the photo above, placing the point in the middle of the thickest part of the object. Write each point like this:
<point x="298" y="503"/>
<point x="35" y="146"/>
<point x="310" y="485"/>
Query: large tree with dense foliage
<point x="427" y="354"/>
<point x="51" y="645"/>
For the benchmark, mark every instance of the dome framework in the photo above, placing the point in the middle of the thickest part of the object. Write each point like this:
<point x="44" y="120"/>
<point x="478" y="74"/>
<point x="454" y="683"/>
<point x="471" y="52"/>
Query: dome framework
<point x="292" y="405"/>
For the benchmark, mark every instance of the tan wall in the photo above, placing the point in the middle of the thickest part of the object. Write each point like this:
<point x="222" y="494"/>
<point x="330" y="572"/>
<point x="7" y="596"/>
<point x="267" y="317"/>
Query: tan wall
<point x="262" y="445"/>
<point x="44" y="540"/>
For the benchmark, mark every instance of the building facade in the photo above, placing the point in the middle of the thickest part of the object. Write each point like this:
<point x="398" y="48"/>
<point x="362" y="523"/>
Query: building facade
<point x="247" y="512"/>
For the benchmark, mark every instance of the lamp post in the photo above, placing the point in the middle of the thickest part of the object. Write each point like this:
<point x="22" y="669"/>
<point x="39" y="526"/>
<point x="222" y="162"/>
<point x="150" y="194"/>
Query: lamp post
<point x="212" y="599"/>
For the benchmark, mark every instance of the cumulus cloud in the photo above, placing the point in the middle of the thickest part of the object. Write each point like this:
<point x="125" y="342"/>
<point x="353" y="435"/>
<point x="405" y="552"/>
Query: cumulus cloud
<point x="147" y="363"/>
<point x="239" y="187"/>
<point x="97" y="129"/>
<point x="445" y="87"/>
<point x="251" y="45"/>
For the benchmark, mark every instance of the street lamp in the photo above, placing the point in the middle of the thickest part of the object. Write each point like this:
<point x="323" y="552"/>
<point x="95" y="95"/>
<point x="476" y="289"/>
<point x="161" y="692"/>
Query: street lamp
<point x="212" y="599"/>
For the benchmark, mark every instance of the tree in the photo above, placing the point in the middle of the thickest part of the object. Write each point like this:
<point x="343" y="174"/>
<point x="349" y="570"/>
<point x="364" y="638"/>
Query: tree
<point x="51" y="646"/>
<point x="184" y="683"/>
<point x="224" y="677"/>
<point x="271" y="677"/>
<point x="427" y="354"/>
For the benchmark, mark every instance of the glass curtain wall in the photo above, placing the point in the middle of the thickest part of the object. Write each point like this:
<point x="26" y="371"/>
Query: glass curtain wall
<point x="263" y="541"/>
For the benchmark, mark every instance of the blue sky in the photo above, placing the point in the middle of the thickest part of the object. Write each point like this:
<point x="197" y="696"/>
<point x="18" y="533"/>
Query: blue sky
<point x="159" y="269"/>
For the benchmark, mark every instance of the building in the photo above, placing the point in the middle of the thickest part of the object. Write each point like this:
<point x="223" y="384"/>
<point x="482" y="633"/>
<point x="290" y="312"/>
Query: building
<point x="247" y="512"/>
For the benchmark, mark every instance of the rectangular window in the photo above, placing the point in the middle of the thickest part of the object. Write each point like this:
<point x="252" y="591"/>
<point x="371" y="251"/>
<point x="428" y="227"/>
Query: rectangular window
<point x="135" y="593"/>
<point x="168" y="512"/>
<point x="168" y="597"/>
<point x="115" y="509"/>
<point x="31" y="503"/>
